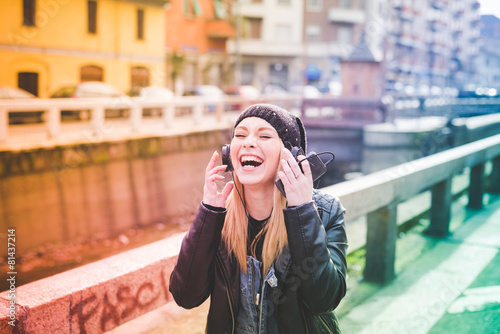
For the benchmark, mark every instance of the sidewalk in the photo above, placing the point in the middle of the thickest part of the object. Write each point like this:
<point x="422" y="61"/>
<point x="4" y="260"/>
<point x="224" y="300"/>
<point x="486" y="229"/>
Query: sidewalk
<point x="452" y="288"/>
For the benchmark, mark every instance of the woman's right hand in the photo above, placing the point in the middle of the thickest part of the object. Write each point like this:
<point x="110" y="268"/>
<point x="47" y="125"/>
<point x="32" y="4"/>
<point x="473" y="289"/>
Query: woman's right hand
<point x="210" y="194"/>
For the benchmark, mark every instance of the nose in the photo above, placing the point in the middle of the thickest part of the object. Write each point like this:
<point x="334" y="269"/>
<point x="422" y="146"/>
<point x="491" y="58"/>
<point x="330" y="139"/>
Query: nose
<point x="249" y="141"/>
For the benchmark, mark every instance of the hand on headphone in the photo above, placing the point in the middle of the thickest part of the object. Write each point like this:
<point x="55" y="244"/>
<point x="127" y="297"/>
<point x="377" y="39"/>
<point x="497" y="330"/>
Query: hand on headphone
<point x="298" y="185"/>
<point x="211" y="196"/>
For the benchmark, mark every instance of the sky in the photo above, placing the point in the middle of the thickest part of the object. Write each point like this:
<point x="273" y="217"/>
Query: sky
<point x="490" y="7"/>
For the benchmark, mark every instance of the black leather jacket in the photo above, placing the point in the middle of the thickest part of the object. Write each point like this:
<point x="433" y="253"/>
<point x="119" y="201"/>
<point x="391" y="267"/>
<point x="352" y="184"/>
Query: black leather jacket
<point x="311" y="271"/>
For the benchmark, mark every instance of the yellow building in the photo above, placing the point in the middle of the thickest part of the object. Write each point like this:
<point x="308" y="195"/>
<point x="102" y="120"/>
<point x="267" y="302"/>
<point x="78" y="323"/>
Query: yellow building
<point x="46" y="44"/>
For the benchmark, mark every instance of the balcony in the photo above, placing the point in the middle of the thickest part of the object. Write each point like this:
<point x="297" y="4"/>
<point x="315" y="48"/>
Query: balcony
<point x="439" y="49"/>
<point x="437" y="25"/>
<point x="439" y="4"/>
<point x="475" y="23"/>
<point x="459" y="14"/>
<point x="259" y="47"/>
<point x="406" y="41"/>
<point x="158" y="3"/>
<point x="219" y="29"/>
<point x="406" y="14"/>
<point x="345" y="15"/>
<point x="457" y="50"/>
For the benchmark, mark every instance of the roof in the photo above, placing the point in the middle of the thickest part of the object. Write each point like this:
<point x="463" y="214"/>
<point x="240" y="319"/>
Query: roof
<point x="362" y="52"/>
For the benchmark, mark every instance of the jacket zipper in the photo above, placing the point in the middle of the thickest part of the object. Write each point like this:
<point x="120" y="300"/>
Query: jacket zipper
<point x="227" y="292"/>
<point x="305" y="320"/>
<point x="260" y="314"/>
<point x="324" y="322"/>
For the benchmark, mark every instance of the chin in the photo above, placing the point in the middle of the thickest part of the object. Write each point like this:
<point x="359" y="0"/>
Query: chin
<point x="249" y="179"/>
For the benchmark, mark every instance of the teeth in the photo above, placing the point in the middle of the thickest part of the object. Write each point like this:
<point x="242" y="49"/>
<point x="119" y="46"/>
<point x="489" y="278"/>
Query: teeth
<point x="247" y="158"/>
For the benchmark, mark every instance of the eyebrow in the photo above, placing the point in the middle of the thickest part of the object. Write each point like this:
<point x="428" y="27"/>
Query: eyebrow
<point x="259" y="129"/>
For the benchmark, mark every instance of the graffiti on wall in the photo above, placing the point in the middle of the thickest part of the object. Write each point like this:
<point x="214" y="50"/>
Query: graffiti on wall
<point x="103" y="312"/>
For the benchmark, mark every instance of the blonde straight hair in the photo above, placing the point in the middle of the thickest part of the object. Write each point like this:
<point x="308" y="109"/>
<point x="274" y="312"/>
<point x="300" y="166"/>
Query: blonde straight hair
<point x="235" y="231"/>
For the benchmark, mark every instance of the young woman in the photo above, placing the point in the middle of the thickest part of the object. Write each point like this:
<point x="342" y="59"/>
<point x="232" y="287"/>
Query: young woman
<point x="270" y="264"/>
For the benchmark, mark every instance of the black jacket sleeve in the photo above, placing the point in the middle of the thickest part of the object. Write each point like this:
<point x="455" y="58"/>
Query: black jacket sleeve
<point x="191" y="281"/>
<point x="318" y="250"/>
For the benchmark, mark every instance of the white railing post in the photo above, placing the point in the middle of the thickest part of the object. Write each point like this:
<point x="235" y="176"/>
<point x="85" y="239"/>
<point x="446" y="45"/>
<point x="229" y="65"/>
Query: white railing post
<point x="136" y="117"/>
<point x="4" y="125"/>
<point x="382" y="228"/>
<point x="54" y="122"/>
<point x="219" y="111"/>
<point x="440" y="211"/>
<point x="98" y="117"/>
<point x="198" y="112"/>
<point x="168" y="113"/>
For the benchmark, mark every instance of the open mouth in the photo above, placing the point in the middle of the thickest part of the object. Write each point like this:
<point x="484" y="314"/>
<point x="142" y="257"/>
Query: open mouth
<point x="250" y="161"/>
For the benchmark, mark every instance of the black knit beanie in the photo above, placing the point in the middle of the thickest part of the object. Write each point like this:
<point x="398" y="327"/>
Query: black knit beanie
<point x="289" y="127"/>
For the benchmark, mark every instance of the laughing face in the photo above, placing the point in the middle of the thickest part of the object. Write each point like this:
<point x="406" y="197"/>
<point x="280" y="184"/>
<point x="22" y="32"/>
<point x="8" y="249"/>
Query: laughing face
<point x="255" y="151"/>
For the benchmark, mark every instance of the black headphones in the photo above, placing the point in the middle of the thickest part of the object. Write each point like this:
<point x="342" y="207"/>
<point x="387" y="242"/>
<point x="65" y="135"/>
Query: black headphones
<point x="318" y="167"/>
<point x="226" y="157"/>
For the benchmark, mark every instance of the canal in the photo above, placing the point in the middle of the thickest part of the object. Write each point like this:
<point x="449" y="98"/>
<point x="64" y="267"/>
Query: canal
<point x="353" y="158"/>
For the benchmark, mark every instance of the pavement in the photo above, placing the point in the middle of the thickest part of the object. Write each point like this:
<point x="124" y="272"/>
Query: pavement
<point x="453" y="286"/>
<point x="448" y="285"/>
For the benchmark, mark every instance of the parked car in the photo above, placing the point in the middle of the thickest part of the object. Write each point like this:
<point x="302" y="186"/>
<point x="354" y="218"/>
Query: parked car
<point x="211" y="91"/>
<point x="90" y="89"/>
<point x="157" y="93"/>
<point x="11" y="93"/>
<point x="477" y="91"/>
<point x="274" y="90"/>
<point x="204" y="90"/>
<point x="246" y="92"/>
<point x="308" y="91"/>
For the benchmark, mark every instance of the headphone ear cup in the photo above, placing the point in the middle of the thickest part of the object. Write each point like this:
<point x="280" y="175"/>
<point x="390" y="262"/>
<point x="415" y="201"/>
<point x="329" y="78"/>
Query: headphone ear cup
<point x="226" y="157"/>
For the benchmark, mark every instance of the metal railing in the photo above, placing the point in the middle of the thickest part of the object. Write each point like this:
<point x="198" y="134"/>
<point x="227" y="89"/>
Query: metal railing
<point x="377" y="195"/>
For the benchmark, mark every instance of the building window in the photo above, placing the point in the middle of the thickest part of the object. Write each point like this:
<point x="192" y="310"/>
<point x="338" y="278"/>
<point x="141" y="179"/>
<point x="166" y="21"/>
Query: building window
<point x="283" y="32"/>
<point x="92" y="17"/>
<point x="252" y="27"/>
<point x="345" y="3"/>
<point x="139" y="77"/>
<point x="140" y="24"/>
<point x="28" y="81"/>
<point x="247" y="73"/>
<point x="313" y="33"/>
<point x="29" y="13"/>
<point x="314" y="5"/>
<point x="91" y="73"/>
<point x="220" y="10"/>
<point x="192" y="7"/>
<point x="278" y="75"/>
<point x="344" y="34"/>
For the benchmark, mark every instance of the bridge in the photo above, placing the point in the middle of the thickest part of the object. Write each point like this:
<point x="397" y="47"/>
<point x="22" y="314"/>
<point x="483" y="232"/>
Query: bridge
<point x="205" y="111"/>
<point x="128" y="291"/>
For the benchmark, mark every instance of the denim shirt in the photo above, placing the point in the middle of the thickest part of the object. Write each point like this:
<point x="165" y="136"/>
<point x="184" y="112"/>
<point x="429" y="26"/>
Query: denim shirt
<point x="256" y="313"/>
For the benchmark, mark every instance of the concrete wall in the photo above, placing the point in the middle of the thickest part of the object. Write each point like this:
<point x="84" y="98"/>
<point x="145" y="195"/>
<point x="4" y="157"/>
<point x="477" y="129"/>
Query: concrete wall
<point x="72" y="192"/>
<point x="96" y="297"/>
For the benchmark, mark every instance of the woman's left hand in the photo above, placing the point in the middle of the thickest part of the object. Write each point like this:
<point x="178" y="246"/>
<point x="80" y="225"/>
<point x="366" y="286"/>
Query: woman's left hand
<point x="298" y="185"/>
